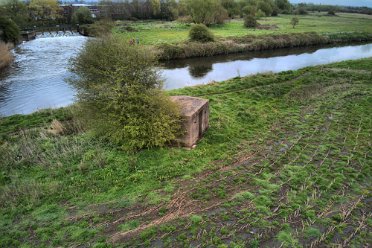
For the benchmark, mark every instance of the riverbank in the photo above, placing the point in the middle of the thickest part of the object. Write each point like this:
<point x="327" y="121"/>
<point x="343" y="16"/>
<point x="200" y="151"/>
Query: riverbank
<point x="170" y="39"/>
<point x="286" y="159"/>
<point x="6" y="57"/>
<point x="243" y="44"/>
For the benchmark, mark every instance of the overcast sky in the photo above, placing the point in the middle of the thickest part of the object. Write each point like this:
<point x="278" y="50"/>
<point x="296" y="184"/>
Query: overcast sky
<point x="367" y="3"/>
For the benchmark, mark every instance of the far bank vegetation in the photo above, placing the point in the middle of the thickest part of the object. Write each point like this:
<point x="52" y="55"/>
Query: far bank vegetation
<point x="255" y="43"/>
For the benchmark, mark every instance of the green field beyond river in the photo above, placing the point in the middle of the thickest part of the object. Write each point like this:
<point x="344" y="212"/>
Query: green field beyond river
<point x="286" y="162"/>
<point x="156" y="32"/>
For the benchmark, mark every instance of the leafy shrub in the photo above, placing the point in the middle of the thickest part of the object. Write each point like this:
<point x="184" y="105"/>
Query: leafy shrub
<point x="200" y="33"/>
<point x="10" y="30"/>
<point x="260" y="14"/>
<point x="250" y="21"/>
<point x="170" y="51"/>
<point x="99" y="28"/>
<point x="331" y="13"/>
<point x="120" y="95"/>
<point x="249" y="10"/>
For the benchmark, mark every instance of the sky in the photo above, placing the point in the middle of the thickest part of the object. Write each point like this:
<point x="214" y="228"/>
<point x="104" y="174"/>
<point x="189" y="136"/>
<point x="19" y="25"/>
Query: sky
<point x="367" y="3"/>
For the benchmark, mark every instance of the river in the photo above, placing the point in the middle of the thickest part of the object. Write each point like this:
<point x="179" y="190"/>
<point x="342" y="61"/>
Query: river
<point x="37" y="79"/>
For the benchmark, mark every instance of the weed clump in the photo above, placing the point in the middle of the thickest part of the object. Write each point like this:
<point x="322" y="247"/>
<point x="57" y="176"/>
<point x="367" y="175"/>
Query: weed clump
<point x="250" y="21"/>
<point x="201" y="33"/>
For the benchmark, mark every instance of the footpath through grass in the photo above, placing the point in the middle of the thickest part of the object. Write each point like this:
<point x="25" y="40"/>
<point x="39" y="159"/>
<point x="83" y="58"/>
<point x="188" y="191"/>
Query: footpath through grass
<point x="286" y="161"/>
<point x="156" y="32"/>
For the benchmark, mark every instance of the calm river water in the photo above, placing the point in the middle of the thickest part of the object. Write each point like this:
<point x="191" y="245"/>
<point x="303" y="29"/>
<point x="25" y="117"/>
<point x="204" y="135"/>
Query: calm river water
<point x="188" y="72"/>
<point x="37" y="79"/>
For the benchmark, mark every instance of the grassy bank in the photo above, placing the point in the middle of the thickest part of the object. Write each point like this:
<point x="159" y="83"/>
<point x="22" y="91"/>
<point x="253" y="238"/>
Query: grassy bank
<point x="255" y="43"/>
<point x="286" y="161"/>
<point x="6" y="57"/>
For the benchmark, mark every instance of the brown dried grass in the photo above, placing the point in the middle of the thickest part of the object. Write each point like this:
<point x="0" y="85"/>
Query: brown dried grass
<point x="6" y="57"/>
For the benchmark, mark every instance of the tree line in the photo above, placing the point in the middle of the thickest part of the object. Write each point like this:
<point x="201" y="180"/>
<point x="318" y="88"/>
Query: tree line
<point x="17" y="14"/>
<point x="50" y="12"/>
<point x="199" y="11"/>
<point x="333" y="8"/>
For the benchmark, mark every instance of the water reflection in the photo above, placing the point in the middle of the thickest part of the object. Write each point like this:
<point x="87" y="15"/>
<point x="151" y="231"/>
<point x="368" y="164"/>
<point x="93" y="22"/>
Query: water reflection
<point x="181" y="73"/>
<point x="200" y="70"/>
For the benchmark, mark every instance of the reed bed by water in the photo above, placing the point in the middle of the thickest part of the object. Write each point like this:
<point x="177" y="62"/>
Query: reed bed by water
<point x="255" y="43"/>
<point x="6" y="57"/>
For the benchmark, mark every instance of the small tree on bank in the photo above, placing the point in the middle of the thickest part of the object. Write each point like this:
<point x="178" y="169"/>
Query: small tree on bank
<point x="200" y="33"/>
<point x="295" y="21"/>
<point x="120" y="96"/>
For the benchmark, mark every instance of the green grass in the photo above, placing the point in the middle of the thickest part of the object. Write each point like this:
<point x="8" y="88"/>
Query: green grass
<point x="156" y="32"/>
<point x="286" y="161"/>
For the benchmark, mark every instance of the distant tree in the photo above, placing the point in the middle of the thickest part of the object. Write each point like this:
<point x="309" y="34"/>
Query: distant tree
<point x="283" y="5"/>
<point x="44" y="9"/>
<point x="182" y="8"/>
<point x="200" y="33"/>
<point x="249" y="10"/>
<point x="15" y="10"/>
<point x="265" y="7"/>
<point x="120" y="97"/>
<point x="260" y="14"/>
<point x="206" y="11"/>
<point x="294" y="21"/>
<point x="250" y="21"/>
<point x="155" y="6"/>
<point x="221" y="15"/>
<point x="82" y="16"/>
<point x="169" y="10"/>
<point x="231" y="6"/>
<point x="10" y="30"/>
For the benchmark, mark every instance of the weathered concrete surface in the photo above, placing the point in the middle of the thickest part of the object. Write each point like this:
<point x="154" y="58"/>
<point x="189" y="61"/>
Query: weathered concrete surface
<point x="195" y="113"/>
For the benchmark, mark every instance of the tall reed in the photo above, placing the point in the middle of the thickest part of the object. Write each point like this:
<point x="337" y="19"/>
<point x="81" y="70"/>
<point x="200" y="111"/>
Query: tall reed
<point x="6" y="57"/>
